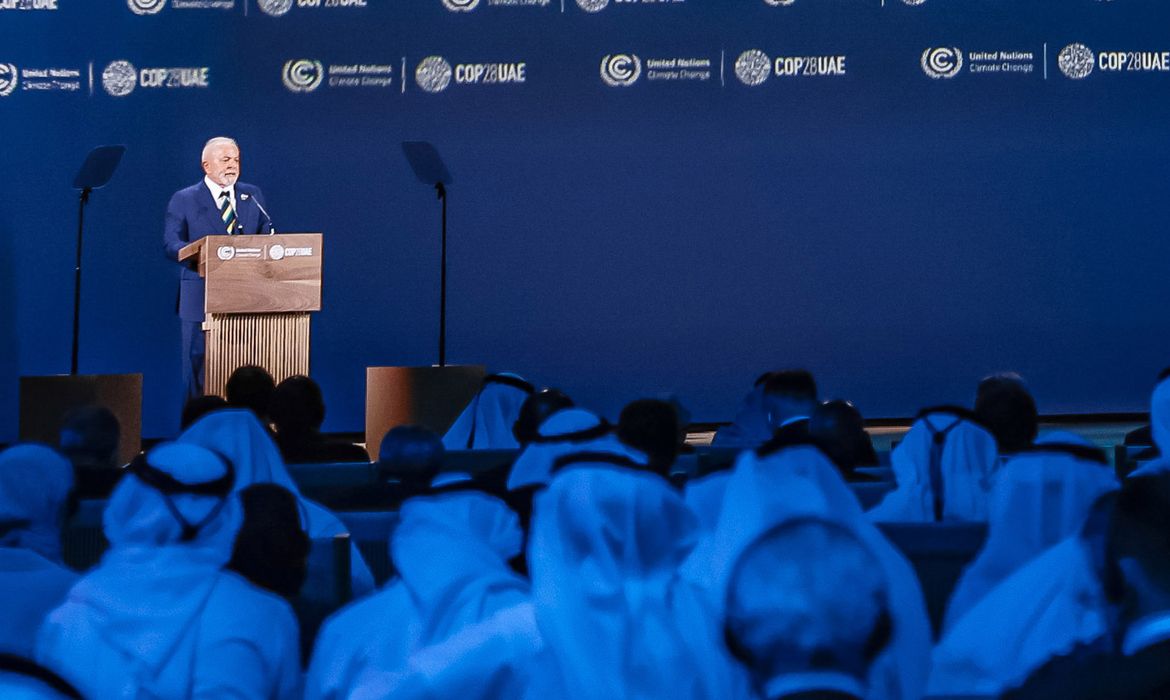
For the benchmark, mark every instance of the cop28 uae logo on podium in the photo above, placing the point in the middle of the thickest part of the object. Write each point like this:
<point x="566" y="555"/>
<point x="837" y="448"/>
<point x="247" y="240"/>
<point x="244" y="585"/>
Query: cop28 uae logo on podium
<point x="146" y="7"/>
<point x="621" y="69"/>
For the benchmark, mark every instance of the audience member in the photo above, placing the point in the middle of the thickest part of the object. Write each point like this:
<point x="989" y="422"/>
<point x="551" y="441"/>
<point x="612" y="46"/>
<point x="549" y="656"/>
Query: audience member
<point x="1138" y="584"/>
<point x="535" y="410"/>
<point x="239" y="436"/>
<point x="768" y="487"/>
<point x="89" y="439"/>
<point x="487" y="422"/>
<point x="750" y="426"/>
<point x="297" y="411"/>
<point x="412" y="456"/>
<point x="1005" y="407"/>
<point x="271" y="549"/>
<point x="451" y="552"/>
<point x="251" y="387"/>
<point x="160" y="617"/>
<point x="790" y="396"/>
<point x="1047" y="607"/>
<point x="35" y="483"/>
<point x="23" y="679"/>
<point x="838" y="428"/>
<point x="653" y="428"/>
<point x="944" y="468"/>
<point x="199" y="406"/>
<point x="1040" y="497"/>
<point x="794" y="622"/>
<point x="567" y="431"/>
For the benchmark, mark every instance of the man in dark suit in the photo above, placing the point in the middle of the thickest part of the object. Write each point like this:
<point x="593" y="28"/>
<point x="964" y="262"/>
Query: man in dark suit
<point x="217" y="205"/>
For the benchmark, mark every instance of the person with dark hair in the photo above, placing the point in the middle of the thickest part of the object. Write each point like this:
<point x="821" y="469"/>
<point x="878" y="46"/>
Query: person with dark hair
<point x="1004" y="406"/>
<point x="199" y="406"/>
<point x="298" y="410"/>
<point x="237" y="435"/>
<point x="160" y="617"/>
<point x="790" y="396"/>
<point x="271" y="549"/>
<point x="411" y="455"/>
<point x="791" y="622"/>
<point x="750" y="427"/>
<point x="535" y="410"/>
<point x="651" y="426"/>
<point x="1137" y="582"/>
<point x="89" y="439"/>
<point x="251" y="387"/>
<point x="35" y="483"/>
<point x="838" y="428"/>
<point x="487" y="422"/>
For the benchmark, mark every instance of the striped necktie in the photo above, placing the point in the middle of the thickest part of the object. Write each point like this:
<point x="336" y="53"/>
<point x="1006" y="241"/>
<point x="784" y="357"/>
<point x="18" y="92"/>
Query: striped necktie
<point x="227" y="212"/>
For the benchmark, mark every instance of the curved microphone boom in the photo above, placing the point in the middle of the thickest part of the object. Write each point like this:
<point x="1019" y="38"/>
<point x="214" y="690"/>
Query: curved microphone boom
<point x="271" y="226"/>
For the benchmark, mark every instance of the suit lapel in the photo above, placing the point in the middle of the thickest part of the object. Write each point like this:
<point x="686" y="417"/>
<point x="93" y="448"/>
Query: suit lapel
<point x="208" y="216"/>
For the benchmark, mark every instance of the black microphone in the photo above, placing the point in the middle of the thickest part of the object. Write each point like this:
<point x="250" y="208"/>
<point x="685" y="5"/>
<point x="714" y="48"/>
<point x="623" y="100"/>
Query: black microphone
<point x="244" y="196"/>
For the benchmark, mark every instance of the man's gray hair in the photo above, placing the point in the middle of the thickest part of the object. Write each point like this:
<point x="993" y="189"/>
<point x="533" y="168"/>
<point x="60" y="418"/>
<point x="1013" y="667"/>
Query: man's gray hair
<point x="215" y="142"/>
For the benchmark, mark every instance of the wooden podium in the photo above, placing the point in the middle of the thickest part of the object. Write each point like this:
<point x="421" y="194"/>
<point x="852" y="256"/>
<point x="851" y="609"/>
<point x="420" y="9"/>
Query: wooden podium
<point x="259" y="294"/>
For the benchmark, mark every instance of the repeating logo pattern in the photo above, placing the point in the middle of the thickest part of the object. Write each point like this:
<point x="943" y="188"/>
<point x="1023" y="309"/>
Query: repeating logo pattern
<point x="593" y="5"/>
<point x="8" y="79"/>
<point x="146" y="7"/>
<point x="303" y="75"/>
<point x="621" y="69"/>
<point x="942" y="62"/>
<point x="753" y="67"/>
<point x="461" y="5"/>
<point x="120" y="78"/>
<point x="275" y="8"/>
<point x="433" y="74"/>
<point x="1076" y="61"/>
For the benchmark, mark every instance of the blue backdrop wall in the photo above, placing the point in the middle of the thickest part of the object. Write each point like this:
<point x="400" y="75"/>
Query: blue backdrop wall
<point x="650" y="196"/>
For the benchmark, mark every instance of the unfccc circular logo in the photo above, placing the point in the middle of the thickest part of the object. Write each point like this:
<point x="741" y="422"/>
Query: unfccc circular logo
<point x="753" y="67"/>
<point x="461" y="5"/>
<point x="942" y="62"/>
<point x="7" y="79"/>
<point x="433" y="74"/>
<point x="120" y="78"/>
<point x="1076" y="61"/>
<point x="302" y="75"/>
<point x="225" y="252"/>
<point x="146" y="7"/>
<point x="621" y="69"/>
<point x="276" y="8"/>
<point x="593" y="5"/>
